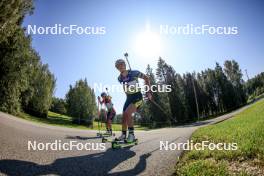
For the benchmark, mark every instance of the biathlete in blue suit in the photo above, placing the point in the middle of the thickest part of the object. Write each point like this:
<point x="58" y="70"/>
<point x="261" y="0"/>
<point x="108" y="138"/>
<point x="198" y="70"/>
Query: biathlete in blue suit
<point x="129" y="80"/>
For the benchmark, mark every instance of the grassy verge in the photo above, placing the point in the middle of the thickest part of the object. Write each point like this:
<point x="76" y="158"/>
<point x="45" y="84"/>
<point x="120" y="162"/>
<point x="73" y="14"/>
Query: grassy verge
<point x="65" y="121"/>
<point x="246" y="129"/>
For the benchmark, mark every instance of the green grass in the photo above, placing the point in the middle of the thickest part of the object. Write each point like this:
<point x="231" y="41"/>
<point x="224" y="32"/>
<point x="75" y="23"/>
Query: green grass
<point x="246" y="129"/>
<point x="65" y="121"/>
<point x="53" y="119"/>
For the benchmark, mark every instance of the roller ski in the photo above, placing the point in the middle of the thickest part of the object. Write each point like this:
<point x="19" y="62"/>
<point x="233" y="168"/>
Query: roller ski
<point x="107" y="137"/>
<point x="122" y="142"/>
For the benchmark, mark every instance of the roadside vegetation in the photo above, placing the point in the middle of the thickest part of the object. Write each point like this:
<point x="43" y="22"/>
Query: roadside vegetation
<point x="245" y="129"/>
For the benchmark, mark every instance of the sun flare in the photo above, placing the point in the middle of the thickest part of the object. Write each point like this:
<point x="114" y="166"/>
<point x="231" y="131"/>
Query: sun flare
<point x="148" y="44"/>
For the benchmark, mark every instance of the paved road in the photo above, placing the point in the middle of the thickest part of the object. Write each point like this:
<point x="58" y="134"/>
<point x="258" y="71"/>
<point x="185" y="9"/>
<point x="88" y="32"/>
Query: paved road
<point x="143" y="159"/>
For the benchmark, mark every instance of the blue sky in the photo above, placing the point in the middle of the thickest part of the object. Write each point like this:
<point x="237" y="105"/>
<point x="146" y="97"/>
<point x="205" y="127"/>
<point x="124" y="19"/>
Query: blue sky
<point x="71" y="57"/>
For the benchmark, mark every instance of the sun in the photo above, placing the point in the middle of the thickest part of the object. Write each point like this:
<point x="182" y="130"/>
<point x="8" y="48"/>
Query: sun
<point x="148" y="44"/>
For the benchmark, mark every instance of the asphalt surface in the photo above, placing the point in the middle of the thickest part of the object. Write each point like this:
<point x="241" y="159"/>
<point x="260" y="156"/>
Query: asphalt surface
<point x="146" y="158"/>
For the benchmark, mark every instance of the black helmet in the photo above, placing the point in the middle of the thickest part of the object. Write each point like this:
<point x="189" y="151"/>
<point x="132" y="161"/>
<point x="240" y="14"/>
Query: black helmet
<point x="103" y="94"/>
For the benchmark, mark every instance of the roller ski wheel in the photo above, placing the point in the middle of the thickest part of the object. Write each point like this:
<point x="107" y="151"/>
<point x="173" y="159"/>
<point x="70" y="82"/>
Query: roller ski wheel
<point x="115" y="145"/>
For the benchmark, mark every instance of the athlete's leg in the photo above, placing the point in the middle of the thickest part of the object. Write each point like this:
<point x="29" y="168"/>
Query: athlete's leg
<point x="109" y="124"/>
<point x="130" y="121"/>
<point x="124" y="121"/>
<point x="113" y="114"/>
<point x="108" y="120"/>
<point x="132" y="108"/>
<point x="109" y="129"/>
<point x="110" y="117"/>
<point x="124" y="117"/>
<point x="128" y="114"/>
<point x="105" y="120"/>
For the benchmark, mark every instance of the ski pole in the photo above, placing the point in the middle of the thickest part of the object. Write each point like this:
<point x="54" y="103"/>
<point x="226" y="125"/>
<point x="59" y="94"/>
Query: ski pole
<point x="126" y="56"/>
<point x="105" y="116"/>
<point x="101" y="120"/>
<point x="98" y="125"/>
<point x="157" y="105"/>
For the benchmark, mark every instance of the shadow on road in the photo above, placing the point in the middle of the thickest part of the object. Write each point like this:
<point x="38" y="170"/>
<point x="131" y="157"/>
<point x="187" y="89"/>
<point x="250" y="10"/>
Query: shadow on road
<point x="94" y="164"/>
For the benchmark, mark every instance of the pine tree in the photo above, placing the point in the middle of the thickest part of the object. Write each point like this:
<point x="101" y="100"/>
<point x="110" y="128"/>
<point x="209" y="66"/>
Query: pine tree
<point x="234" y="75"/>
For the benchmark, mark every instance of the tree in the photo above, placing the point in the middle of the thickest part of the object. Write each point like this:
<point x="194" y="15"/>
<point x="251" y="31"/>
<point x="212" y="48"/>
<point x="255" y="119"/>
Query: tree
<point x="15" y="59"/>
<point x="80" y="101"/>
<point x="217" y="92"/>
<point x="166" y="76"/>
<point x="25" y="83"/>
<point x="178" y="103"/>
<point x="234" y="75"/>
<point x="205" y="100"/>
<point x="255" y="86"/>
<point x="58" y="105"/>
<point x="42" y="84"/>
<point x="159" y="115"/>
<point x="12" y="15"/>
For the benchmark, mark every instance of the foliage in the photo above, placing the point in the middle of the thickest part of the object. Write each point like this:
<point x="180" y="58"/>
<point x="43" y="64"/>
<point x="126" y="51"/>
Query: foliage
<point x="80" y="101"/>
<point x="58" y="105"/>
<point x="25" y="83"/>
<point x="217" y="91"/>
<point x="255" y="86"/>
